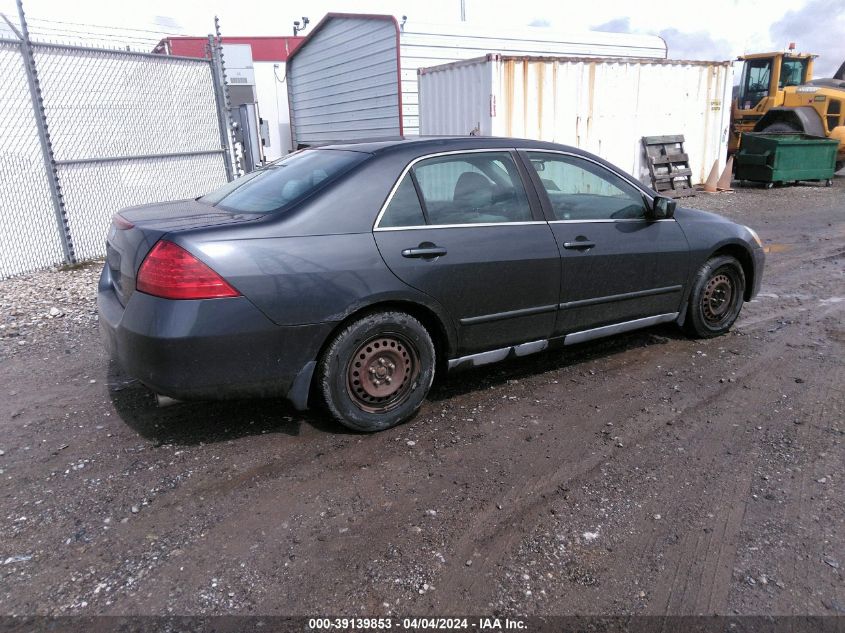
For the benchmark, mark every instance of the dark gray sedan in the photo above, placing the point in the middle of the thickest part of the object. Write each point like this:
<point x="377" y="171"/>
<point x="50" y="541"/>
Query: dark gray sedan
<point x="348" y="275"/>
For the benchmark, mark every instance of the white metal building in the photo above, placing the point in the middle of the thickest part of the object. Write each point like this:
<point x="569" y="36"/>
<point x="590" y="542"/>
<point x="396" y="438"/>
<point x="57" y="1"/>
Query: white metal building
<point x="355" y="76"/>
<point x="604" y="106"/>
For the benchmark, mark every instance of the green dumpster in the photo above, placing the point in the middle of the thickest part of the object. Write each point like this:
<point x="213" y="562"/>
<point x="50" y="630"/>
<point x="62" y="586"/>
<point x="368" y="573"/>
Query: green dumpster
<point x="785" y="157"/>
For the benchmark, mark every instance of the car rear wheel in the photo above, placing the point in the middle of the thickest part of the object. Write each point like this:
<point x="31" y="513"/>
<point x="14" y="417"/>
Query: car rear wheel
<point x="377" y="371"/>
<point x="716" y="297"/>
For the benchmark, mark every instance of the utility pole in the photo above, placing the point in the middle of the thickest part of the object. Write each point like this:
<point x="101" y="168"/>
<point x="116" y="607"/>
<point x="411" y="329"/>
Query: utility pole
<point x="463" y="10"/>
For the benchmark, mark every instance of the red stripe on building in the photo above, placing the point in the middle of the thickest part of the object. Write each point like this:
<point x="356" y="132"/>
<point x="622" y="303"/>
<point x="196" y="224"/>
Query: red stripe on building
<point x="264" y="49"/>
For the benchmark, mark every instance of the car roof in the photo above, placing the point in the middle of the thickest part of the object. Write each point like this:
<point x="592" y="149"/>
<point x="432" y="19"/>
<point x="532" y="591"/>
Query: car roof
<point x="427" y="143"/>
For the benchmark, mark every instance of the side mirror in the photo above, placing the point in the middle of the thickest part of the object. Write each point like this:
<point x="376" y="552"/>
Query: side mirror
<point x="662" y="208"/>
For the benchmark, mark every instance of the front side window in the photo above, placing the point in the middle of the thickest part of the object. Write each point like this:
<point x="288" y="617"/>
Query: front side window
<point x="281" y="184"/>
<point x="472" y="188"/>
<point x="755" y="82"/>
<point x="581" y="190"/>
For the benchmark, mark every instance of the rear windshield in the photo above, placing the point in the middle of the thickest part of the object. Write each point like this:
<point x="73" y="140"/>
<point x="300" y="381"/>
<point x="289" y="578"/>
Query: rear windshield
<point x="280" y="184"/>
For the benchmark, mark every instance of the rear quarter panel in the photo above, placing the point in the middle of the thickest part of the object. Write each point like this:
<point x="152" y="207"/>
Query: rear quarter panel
<point x="311" y="279"/>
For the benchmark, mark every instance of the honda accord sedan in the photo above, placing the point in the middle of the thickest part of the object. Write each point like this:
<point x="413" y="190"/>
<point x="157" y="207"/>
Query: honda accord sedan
<point x="346" y="276"/>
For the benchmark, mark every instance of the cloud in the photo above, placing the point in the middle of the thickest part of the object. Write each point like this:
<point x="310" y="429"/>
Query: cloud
<point x="681" y="44"/>
<point x="539" y="22"/>
<point x="617" y="25"/>
<point x="696" y="45"/>
<point x="167" y="23"/>
<point x="817" y="27"/>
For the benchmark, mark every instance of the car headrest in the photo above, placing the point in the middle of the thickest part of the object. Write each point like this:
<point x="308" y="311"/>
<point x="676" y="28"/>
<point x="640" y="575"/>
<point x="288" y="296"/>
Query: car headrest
<point x="473" y="189"/>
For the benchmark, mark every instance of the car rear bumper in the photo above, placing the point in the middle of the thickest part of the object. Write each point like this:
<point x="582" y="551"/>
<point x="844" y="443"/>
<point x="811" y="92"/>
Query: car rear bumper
<point x="207" y="349"/>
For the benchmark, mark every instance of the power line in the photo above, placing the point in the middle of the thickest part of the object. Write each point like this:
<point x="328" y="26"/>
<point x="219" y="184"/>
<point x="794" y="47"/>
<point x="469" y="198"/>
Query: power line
<point x="60" y="32"/>
<point x="66" y="31"/>
<point x="57" y="32"/>
<point x="53" y="38"/>
<point x="102" y="26"/>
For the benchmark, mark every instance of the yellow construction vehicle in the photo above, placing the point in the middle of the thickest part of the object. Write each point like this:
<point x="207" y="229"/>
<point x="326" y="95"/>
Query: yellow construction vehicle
<point x="777" y="93"/>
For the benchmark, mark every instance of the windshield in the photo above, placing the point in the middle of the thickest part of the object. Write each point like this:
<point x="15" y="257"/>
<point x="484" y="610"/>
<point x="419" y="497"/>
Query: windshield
<point x="280" y="184"/>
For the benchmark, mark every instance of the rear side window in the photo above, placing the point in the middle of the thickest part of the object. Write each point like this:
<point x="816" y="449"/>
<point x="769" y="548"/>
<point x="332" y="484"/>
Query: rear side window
<point x="404" y="208"/>
<point x="472" y="188"/>
<point x="834" y="110"/>
<point x="281" y="184"/>
<point x="792" y="73"/>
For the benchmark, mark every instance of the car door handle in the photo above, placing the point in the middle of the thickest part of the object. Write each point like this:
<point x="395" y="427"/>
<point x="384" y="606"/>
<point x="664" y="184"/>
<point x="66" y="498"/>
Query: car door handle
<point x="579" y="245"/>
<point x="424" y="252"/>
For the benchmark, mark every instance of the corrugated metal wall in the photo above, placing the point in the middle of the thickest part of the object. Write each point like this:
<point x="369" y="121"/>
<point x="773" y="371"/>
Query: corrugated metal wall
<point x="343" y="85"/>
<point x="604" y="107"/>
<point x="343" y="81"/>
<point x="458" y="99"/>
<point x="424" y="45"/>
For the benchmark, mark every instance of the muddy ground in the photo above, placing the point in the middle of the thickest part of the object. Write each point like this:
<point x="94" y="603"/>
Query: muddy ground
<point x="644" y="474"/>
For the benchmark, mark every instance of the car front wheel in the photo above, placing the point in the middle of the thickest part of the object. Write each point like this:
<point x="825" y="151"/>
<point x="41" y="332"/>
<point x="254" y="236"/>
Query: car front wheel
<point x="716" y="297"/>
<point x="377" y="371"/>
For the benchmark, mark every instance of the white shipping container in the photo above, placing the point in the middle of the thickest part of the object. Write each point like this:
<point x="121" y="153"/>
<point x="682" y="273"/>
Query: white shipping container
<point x="355" y="76"/>
<point x="604" y="106"/>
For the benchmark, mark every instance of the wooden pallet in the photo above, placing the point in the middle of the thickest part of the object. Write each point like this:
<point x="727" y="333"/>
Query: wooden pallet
<point x="668" y="165"/>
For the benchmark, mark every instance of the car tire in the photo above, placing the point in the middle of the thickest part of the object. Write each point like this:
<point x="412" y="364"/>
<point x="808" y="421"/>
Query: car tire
<point x="716" y="298"/>
<point x="376" y="372"/>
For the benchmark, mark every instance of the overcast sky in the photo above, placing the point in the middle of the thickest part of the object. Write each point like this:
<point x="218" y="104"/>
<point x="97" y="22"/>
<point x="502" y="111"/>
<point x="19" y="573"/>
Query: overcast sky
<point x="715" y="29"/>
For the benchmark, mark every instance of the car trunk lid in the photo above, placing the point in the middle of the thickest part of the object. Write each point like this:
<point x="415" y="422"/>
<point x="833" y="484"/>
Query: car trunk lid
<point x="135" y="230"/>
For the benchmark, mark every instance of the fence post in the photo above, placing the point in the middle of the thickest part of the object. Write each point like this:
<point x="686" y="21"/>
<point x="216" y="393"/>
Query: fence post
<point x="44" y="138"/>
<point x="221" y="68"/>
<point x="222" y="110"/>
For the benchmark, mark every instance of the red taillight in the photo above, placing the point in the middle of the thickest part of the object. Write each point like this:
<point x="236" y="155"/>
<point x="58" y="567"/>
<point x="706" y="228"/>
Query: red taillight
<point x="171" y="272"/>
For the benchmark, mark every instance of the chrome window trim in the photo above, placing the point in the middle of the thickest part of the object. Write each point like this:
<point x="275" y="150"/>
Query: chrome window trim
<point x="638" y="186"/>
<point x="408" y="167"/>
<point x="611" y="221"/>
<point x="418" y="227"/>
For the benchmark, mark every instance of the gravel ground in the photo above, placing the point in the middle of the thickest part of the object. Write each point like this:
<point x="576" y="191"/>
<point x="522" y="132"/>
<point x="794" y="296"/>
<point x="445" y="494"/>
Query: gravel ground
<point x="644" y="474"/>
<point x="37" y="307"/>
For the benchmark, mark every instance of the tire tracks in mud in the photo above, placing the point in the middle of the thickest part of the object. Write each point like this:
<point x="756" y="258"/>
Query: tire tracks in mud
<point x="492" y="520"/>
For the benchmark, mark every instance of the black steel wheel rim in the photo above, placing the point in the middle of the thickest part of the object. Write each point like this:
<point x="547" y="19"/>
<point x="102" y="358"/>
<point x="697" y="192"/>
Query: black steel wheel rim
<point x="717" y="299"/>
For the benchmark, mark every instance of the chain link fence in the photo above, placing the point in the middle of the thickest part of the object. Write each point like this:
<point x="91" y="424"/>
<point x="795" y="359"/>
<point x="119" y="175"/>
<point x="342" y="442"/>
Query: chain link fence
<point x="89" y="131"/>
<point x="29" y="234"/>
